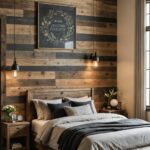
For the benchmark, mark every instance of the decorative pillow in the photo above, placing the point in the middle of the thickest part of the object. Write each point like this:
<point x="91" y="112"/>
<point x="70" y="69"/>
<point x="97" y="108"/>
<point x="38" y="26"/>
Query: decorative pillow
<point x="82" y="99"/>
<point x="44" y="107"/>
<point x="57" y="110"/>
<point x="38" y="109"/>
<point x="77" y="111"/>
<point x="79" y="99"/>
<point x="75" y="104"/>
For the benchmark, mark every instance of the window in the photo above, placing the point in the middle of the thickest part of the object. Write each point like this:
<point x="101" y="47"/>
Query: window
<point x="147" y="53"/>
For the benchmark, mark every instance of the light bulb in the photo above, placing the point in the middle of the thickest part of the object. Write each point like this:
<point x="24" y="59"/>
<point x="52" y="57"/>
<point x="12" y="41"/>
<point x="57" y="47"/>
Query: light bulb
<point x="95" y="63"/>
<point x="14" y="73"/>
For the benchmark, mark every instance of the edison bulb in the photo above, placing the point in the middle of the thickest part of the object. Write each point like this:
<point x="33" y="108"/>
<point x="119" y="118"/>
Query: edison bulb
<point x="14" y="73"/>
<point x="95" y="63"/>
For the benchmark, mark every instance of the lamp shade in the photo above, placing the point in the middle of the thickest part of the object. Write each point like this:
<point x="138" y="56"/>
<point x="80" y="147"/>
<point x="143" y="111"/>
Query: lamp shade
<point x="15" y="66"/>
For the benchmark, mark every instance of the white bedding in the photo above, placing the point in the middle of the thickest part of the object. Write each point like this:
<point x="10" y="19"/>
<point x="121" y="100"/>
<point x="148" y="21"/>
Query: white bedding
<point x="37" y="125"/>
<point x="52" y="129"/>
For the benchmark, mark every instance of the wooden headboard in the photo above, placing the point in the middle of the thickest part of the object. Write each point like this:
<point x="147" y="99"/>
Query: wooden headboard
<point x="52" y="94"/>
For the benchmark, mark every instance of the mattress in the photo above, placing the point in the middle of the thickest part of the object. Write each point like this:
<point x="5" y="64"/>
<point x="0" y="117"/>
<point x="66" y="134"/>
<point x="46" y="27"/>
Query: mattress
<point x="37" y="125"/>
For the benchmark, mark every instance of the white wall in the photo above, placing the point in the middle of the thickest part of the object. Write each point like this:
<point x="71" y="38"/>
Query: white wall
<point x="125" y="53"/>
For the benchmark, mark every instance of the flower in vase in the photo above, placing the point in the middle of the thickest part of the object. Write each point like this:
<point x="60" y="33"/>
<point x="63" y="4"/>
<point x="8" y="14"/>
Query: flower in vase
<point x="110" y="95"/>
<point x="8" y="110"/>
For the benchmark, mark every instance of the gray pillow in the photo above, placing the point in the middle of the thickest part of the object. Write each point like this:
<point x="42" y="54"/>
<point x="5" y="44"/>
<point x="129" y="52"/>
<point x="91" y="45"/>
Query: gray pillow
<point x="77" y="111"/>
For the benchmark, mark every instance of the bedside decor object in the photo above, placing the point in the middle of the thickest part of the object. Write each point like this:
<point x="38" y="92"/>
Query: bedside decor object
<point x="19" y="118"/>
<point x="114" y="102"/>
<point x="56" y="26"/>
<point x="110" y="95"/>
<point x="13" y="118"/>
<point x="8" y="110"/>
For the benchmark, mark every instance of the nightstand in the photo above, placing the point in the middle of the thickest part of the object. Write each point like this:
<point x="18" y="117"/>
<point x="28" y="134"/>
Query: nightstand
<point x="15" y="134"/>
<point x="116" y="111"/>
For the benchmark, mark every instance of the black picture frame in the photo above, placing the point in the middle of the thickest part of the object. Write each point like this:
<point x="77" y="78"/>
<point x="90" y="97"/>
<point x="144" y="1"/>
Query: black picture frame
<point x="56" y="26"/>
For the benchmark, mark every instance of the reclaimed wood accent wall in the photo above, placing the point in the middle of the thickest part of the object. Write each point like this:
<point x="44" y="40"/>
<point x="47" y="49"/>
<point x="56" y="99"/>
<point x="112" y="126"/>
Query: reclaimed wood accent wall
<point x="96" y="24"/>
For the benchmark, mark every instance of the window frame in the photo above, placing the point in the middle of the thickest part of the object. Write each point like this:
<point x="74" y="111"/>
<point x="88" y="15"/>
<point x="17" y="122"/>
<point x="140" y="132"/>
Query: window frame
<point x="147" y="56"/>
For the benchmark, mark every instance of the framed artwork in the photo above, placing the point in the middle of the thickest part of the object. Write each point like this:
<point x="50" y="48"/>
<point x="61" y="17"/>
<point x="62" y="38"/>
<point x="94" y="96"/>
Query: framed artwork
<point x="56" y="26"/>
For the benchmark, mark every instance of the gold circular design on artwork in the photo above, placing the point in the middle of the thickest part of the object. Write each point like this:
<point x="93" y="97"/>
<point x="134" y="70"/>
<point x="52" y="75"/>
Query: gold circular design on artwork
<point x="57" y="26"/>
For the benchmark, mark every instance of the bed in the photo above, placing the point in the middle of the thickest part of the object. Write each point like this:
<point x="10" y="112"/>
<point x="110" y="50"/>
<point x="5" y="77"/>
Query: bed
<point x="96" y="131"/>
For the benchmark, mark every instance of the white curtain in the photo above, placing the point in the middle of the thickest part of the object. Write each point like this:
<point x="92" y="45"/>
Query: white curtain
<point x="139" y="58"/>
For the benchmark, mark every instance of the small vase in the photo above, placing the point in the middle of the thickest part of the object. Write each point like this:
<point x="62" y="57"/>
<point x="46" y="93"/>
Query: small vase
<point x="7" y="117"/>
<point x="108" y="104"/>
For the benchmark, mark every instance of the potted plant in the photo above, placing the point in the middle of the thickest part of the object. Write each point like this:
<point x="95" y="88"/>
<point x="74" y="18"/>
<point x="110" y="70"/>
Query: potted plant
<point x="8" y="110"/>
<point x="110" y="95"/>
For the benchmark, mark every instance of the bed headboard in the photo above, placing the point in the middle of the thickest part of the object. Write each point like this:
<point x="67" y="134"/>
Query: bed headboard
<point x="52" y="94"/>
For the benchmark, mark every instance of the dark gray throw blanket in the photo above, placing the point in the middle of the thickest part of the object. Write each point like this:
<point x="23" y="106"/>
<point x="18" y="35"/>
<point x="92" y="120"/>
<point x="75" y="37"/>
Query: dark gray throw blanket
<point x="71" y="138"/>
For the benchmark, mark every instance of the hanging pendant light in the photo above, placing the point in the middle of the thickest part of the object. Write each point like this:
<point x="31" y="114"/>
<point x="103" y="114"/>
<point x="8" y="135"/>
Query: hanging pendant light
<point x="94" y="57"/>
<point x="14" y="66"/>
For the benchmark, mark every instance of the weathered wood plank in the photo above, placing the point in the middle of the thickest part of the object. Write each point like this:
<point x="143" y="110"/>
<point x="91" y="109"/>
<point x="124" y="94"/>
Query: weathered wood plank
<point x="31" y="54"/>
<point x="65" y="68"/>
<point x="90" y="37"/>
<point x="86" y="75"/>
<point x="10" y="12"/>
<point x="96" y="30"/>
<point x="21" y="47"/>
<point x="62" y="62"/>
<point x="97" y="45"/>
<point x="31" y="75"/>
<point x="21" y="91"/>
<point x="85" y="82"/>
<point x="30" y="82"/>
<point x="21" y="39"/>
<point x="21" y="29"/>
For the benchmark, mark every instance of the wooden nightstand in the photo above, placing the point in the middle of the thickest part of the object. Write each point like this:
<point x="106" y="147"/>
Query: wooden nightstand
<point x="17" y="132"/>
<point x="116" y="111"/>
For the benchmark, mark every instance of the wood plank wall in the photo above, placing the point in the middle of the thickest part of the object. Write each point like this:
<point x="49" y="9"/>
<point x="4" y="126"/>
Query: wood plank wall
<point x="62" y="68"/>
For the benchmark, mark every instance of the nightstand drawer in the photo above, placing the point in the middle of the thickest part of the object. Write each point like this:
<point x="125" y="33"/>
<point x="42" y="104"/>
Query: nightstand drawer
<point x="18" y="130"/>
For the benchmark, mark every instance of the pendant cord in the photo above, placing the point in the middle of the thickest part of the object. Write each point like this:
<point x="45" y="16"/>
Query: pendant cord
<point x="93" y="28"/>
<point x="14" y="33"/>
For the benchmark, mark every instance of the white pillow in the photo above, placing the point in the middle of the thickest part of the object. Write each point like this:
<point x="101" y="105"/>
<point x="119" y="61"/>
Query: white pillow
<point x="79" y="99"/>
<point x="42" y="109"/>
<point x="77" y="111"/>
<point x="38" y="109"/>
<point x="83" y="99"/>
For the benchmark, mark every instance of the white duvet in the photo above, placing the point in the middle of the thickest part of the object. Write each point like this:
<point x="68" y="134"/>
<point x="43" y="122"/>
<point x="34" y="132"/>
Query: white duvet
<point x="120" y="140"/>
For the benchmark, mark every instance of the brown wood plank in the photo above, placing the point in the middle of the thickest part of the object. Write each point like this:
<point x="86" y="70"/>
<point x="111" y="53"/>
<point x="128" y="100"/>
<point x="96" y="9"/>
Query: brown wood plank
<point x="21" y="39"/>
<point x="30" y="82"/>
<point x="86" y="75"/>
<point x="97" y="45"/>
<point x="85" y="83"/>
<point x="21" y="29"/>
<point x="56" y="62"/>
<point x="31" y="54"/>
<point x="10" y="12"/>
